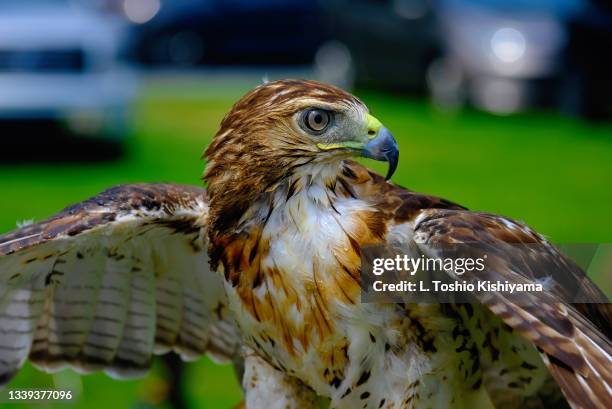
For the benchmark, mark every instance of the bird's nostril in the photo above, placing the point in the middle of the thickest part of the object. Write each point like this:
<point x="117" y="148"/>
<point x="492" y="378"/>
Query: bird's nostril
<point x="371" y="132"/>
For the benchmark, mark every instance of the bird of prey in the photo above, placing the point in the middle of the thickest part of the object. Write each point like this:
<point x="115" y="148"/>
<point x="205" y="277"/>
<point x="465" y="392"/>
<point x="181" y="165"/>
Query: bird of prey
<point x="263" y="268"/>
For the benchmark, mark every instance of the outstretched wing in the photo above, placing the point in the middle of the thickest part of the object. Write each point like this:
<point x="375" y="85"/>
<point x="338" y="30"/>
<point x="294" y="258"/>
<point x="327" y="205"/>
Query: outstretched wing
<point x="574" y="338"/>
<point x="110" y="281"/>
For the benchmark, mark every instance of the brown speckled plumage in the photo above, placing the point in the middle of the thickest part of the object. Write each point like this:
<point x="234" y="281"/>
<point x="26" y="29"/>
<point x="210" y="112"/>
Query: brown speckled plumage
<point x="283" y="225"/>
<point x="104" y="208"/>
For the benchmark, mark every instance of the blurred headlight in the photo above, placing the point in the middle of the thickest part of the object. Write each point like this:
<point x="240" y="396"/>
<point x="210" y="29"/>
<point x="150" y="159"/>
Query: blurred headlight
<point x="508" y="44"/>
<point x="140" y="11"/>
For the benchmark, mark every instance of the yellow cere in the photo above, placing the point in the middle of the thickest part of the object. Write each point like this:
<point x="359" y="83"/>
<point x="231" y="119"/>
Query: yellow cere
<point x="373" y="126"/>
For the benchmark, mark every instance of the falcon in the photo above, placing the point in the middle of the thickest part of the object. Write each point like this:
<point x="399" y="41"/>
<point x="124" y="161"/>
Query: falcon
<point x="264" y="267"/>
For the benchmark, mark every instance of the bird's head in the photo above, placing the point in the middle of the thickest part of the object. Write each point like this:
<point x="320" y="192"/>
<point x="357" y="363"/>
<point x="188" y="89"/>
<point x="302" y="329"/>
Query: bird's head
<point x="284" y="130"/>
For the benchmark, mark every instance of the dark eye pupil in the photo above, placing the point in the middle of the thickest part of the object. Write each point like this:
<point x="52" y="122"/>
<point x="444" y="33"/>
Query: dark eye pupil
<point x="316" y="120"/>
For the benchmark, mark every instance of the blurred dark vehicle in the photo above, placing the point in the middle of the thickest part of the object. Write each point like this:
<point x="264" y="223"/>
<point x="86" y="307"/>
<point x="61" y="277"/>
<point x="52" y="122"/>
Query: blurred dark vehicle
<point x="504" y="56"/>
<point x="590" y="61"/>
<point x="388" y="43"/>
<point x="230" y="32"/>
<point x="59" y="65"/>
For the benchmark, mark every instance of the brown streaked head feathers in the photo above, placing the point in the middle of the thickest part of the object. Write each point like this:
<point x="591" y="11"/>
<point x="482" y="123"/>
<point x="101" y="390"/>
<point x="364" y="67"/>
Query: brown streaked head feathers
<point x="258" y="145"/>
<point x="286" y="220"/>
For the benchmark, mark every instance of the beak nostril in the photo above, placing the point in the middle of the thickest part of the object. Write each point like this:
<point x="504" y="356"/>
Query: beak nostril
<point x="371" y="132"/>
<point x="382" y="147"/>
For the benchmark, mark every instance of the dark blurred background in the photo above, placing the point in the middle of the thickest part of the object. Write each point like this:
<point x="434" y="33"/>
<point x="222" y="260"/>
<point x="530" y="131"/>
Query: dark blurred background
<point x="503" y="106"/>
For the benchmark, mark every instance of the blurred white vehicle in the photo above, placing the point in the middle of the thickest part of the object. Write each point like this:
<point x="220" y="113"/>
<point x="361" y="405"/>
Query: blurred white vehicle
<point x="506" y="56"/>
<point x="59" y="60"/>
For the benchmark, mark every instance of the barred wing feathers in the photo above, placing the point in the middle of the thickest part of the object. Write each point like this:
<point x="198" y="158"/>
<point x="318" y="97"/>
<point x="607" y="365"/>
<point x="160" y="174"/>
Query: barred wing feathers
<point x="574" y="339"/>
<point x="110" y="281"/>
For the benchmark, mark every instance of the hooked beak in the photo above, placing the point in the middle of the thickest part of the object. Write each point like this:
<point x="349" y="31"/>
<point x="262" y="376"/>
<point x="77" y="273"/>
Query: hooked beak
<point x="384" y="148"/>
<point x="375" y="142"/>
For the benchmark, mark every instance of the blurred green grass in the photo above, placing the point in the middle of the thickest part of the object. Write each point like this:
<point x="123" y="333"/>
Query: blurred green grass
<point x="553" y="173"/>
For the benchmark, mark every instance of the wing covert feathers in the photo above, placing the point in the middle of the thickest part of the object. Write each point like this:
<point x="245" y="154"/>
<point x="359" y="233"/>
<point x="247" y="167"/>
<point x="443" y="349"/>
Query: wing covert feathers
<point x="108" y="282"/>
<point x="573" y="339"/>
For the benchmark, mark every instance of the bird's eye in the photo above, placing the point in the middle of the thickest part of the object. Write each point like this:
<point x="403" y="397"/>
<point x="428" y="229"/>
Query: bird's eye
<point x="316" y="120"/>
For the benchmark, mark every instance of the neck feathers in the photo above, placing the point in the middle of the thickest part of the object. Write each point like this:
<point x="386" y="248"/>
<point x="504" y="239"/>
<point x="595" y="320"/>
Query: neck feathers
<point x="238" y="202"/>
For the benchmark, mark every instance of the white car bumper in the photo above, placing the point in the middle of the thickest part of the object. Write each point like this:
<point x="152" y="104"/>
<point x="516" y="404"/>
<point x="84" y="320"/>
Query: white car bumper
<point x="24" y="95"/>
